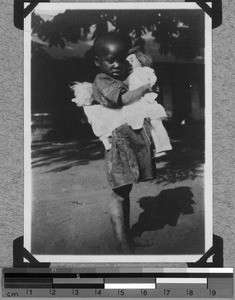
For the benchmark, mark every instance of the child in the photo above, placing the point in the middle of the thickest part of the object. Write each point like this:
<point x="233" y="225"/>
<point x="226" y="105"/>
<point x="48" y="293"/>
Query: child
<point x="129" y="158"/>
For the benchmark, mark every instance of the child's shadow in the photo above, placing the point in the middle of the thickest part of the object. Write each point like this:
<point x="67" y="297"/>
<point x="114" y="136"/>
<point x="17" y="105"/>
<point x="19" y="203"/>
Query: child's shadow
<point x="163" y="209"/>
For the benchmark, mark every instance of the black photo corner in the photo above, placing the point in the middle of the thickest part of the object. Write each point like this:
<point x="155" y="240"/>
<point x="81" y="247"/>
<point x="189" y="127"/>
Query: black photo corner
<point x="20" y="253"/>
<point x="20" y="12"/>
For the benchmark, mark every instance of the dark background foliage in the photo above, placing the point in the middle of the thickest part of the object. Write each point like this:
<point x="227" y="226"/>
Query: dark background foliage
<point x="180" y="33"/>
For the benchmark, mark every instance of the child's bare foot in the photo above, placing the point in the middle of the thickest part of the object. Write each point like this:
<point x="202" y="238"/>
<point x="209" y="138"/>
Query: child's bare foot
<point x="126" y="246"/>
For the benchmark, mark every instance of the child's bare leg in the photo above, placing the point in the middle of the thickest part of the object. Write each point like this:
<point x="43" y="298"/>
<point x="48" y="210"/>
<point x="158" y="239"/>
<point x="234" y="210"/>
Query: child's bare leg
<point x="118" y="226"/>
<point x="120" y="217"/>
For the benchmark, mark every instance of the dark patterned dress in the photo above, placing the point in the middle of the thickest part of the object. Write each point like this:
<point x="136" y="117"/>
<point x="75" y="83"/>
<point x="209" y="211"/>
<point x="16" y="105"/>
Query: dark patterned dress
<point x="129" y="159"/>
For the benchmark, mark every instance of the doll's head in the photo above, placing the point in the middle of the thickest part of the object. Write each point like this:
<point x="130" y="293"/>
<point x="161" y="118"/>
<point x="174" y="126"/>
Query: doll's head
<point x="133" y="61"/>
<point x="110" y="55"/>
<point x="138" y="58"/>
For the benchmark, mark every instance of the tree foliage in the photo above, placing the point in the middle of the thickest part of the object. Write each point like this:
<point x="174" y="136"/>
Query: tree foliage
<point x="180" y="32"/>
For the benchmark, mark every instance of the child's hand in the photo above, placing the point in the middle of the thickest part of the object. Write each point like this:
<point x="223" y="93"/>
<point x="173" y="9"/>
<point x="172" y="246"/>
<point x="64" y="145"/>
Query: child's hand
<point x="135" y="95"/>
<point x="147" y="88"/>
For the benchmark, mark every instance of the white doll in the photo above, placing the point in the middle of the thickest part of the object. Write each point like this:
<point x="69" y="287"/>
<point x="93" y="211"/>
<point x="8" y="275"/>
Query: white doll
<point x="147" y="106"/>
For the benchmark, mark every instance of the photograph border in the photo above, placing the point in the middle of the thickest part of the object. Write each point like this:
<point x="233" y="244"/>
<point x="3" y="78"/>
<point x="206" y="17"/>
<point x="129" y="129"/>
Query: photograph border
<point x="208" y="219"/>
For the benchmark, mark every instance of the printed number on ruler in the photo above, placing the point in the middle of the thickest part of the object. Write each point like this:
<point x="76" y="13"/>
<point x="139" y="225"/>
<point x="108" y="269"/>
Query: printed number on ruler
<point x="75" y="292"/>
<point x="52" y="292"/>
<point x="212" y="292"/>
<point x="98" y="292"/>
<point x="144" y="292"/>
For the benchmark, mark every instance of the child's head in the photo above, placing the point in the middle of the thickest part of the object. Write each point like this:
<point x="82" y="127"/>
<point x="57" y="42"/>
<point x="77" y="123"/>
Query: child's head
<point x="110" y="55"/>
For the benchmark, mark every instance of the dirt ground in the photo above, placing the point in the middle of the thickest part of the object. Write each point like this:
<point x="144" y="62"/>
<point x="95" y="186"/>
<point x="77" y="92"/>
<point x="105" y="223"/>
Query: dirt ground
<point x="71" y="196"/>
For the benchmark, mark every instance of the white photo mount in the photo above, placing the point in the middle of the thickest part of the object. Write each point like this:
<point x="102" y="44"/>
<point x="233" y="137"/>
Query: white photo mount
<point x="28" y="207"/>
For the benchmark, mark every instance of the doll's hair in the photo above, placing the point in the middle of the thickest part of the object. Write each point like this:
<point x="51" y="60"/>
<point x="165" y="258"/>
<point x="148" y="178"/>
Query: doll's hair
<point x="144" y="59"/>
<point x="83" y="93"/>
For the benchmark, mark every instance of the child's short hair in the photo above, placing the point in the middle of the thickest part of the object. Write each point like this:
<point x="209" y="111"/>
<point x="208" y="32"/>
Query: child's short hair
<point x="109" y="37"/>
<point x="144" y="59"/>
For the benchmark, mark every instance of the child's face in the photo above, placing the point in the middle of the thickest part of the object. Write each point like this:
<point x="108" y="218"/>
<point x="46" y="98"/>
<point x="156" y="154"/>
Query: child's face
<point x="111" y="60"/>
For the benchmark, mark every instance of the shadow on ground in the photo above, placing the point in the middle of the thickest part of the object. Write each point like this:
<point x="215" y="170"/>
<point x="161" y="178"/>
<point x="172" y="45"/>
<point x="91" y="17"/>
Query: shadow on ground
<point x="163" y="209"/>
<point x="63" y="156"/>
<point x="186" y="159"/>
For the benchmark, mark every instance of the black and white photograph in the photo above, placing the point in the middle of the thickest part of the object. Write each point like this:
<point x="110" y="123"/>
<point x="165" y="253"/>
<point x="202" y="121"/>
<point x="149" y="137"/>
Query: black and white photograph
<point x="117" y="132"/>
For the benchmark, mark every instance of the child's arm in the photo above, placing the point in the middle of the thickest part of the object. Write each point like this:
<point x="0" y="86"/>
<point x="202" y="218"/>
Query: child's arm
<point x="136" y="94"/>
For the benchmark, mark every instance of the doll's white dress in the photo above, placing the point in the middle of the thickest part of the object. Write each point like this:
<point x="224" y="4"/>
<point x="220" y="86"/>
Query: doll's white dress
<point x="147" y="107"/>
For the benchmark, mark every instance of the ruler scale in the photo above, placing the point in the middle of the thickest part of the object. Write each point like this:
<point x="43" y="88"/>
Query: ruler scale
<point x="105" y="283"/>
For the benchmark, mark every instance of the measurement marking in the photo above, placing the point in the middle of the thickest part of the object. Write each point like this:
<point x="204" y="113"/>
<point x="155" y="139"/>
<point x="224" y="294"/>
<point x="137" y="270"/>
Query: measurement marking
<point x="157" y="283"/>
<point x="123" y="286"/>
<point x="182" y="280"/>
<point x="136" y="280"/>
<point x="78" y="280"/>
